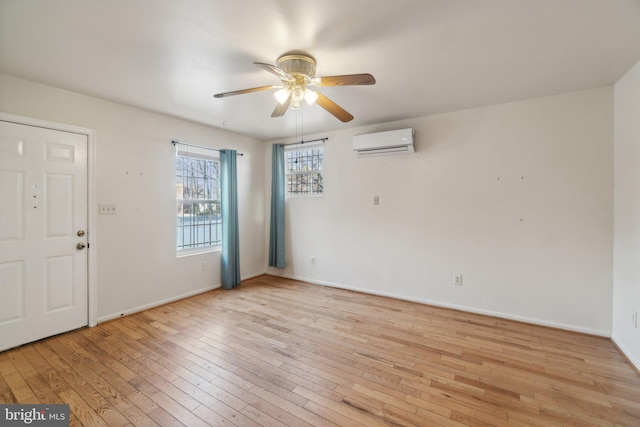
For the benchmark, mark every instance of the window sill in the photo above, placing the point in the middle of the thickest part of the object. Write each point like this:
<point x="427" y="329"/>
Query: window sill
<point x="303" y="196"/>
<point x="198" y="251"/>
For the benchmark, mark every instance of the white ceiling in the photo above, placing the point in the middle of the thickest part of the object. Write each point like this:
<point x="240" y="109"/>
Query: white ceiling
<point x="428" y="56"/>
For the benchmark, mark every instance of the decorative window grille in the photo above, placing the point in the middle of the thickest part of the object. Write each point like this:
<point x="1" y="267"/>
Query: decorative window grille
<point x="304" y="170"/>
<point x="198" y="221"/>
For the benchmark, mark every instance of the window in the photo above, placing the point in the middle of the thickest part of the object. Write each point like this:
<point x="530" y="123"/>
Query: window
<point x="304" y="169"/>
<point x="198" y="222"/>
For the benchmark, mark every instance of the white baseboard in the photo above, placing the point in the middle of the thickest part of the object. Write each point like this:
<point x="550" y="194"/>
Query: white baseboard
<point x="627" y="354"/>
<point x="524" y="319"/>
<point x="155" y="304"/>
<point x="167" y="300"/>
<point x="252" y="275"/>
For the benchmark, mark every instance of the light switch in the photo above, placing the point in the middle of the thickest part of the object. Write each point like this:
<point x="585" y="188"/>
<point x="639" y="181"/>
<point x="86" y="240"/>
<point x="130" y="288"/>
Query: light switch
<point x="107" y="209"/>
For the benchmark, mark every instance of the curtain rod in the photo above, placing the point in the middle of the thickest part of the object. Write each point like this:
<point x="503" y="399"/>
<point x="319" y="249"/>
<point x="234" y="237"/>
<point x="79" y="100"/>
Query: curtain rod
<point x="306" y="142"/>
<point x="201" y="146"/>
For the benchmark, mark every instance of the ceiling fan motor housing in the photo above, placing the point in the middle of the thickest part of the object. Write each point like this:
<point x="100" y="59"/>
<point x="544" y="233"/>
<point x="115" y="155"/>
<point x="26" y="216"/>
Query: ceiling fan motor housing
<point x="299" y="66"/>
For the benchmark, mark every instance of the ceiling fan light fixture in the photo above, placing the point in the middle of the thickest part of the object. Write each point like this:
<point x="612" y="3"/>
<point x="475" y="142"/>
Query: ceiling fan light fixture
<point x="297" y="95"/>
<point x="310" y="96"/>
<point x="282" y="95"/>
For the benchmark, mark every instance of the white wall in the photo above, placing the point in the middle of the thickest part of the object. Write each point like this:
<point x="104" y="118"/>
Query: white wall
<point x="516" y="197"/>
<point x="626" y="276"/>
<point x="137" y="264"/>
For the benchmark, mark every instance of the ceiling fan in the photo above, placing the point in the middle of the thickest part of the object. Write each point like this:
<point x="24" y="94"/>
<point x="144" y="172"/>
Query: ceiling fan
<point x="297" y="71"/>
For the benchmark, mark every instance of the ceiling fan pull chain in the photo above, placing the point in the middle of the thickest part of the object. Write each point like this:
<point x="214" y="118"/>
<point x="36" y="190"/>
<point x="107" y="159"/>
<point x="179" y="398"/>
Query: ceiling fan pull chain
<point x="297" y="125"/>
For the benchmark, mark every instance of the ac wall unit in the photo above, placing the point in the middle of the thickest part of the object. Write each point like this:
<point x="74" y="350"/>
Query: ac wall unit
<point x="383" y="143"/>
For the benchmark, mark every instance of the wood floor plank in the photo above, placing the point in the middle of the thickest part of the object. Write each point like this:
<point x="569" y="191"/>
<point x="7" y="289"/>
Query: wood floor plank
<point x="49" y="374"/>
<point x="280" y="352"/>
<point x="40" y="388"/>
<point x="289" y="412"/>
<point x="15" y="381"/>
<point x="94" y="389"/>
<point x="234" y="416"/>
<point x="80" y="409"/>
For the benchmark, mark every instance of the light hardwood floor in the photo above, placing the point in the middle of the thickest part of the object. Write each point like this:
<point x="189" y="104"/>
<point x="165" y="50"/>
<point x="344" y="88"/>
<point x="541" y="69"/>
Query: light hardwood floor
<point x="277" y="352"/>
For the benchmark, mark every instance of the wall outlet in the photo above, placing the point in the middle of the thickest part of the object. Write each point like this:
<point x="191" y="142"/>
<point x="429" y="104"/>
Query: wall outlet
<point x="313" y="260"/>
<point x="634" y="318"/>
<point x="376" y="200"/>
<point x="457" y="280"/>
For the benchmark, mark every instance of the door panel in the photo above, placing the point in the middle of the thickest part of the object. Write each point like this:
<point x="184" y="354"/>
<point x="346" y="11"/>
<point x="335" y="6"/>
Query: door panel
<point x="43" y="203"/>
<point x="59" y="205"/>
<point x="59" y="152"/>
<point x="11" y="146"/>
<point x="59" y="282"/>
<point x="13" y="290"/>
<point x="11" y="209"/>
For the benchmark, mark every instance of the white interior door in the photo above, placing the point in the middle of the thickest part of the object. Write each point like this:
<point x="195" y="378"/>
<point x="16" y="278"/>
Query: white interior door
<point x="43" y="217"/>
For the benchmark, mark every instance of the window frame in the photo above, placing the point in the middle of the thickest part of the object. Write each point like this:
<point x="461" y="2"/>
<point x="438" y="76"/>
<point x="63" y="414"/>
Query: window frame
<point x="207" y="155"/>
<point x="304" y="147"/>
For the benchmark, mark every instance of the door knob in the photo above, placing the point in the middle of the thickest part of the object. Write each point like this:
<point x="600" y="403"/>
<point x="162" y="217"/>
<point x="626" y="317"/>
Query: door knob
<point x="80" y="246"/>
<point x="80" y="233"/>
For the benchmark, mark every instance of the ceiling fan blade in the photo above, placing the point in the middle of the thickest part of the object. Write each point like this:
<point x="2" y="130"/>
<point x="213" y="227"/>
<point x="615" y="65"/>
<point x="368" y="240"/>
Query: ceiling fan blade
<point x="340" y="113"/>
<point x="240" y="92"/>
<point x="277" y="71"/>
<point x="345" y="80"/>
<point x="281" y="108"/>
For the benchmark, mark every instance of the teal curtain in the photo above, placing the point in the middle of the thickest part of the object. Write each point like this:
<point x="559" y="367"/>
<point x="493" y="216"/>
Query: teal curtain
<point x="230" y="236"/>
<point x="276" y="237"/>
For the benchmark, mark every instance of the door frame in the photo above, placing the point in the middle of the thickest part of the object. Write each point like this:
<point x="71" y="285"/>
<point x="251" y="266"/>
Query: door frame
<point x="92" y="257"/>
